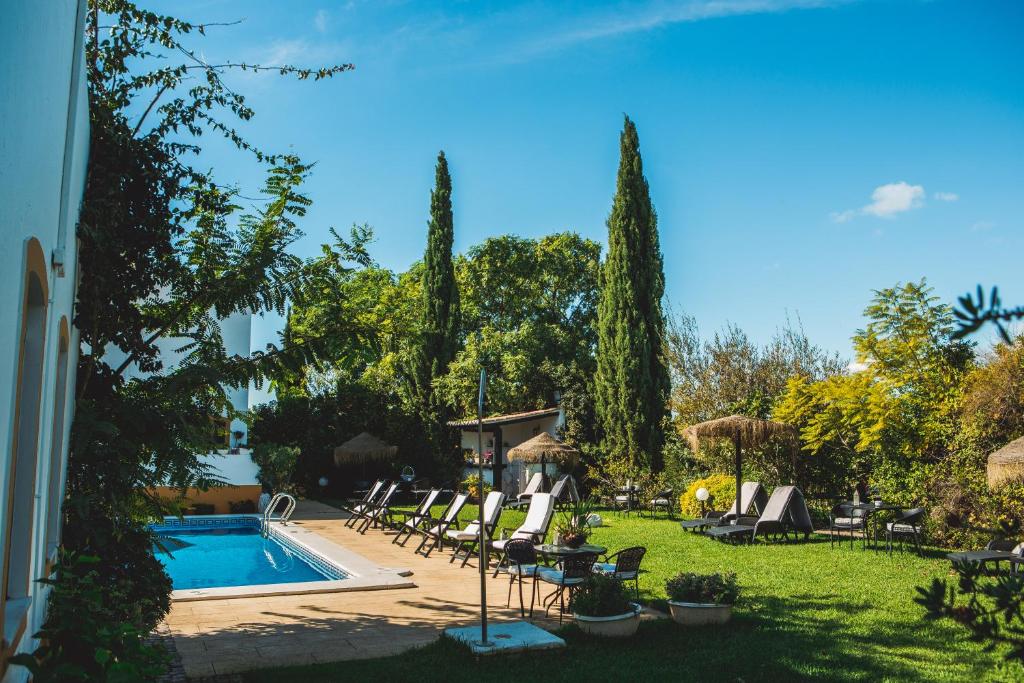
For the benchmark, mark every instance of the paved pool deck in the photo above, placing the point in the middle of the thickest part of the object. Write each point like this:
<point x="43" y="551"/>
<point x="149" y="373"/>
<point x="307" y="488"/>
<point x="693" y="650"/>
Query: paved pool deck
<point x="216" y="637"/>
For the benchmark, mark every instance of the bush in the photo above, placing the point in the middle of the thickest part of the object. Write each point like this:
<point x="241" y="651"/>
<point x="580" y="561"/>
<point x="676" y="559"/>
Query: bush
<point x="720" y="589"/>
<point x="277" y="466"/>
<point x="722" y="488"/>
<point x="601" y="596"/>
<point x="85" y="636"/>
<point x="472" y="485"/>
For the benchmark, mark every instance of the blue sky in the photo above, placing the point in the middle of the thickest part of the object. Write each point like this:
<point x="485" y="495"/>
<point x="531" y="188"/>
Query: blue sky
<point x="800" y="153"/>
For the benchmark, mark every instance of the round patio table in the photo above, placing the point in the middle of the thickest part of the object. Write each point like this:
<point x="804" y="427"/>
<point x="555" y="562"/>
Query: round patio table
<point x="550" y="551"/>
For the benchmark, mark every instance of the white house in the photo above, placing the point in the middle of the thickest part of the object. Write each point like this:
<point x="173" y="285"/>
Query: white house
<point x="504" y="432"/>
<point x="44" y="141"/>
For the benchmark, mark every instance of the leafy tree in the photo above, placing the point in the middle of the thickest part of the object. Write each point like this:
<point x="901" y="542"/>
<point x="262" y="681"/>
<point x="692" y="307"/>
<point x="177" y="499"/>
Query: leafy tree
<point x="439" y="336"/>
<point x="166" y="253"/>
<point x="975" y="312"/>
<point x="896" y="418"/>
<point x="532" y="305"/>
<point x="632" y="381"/>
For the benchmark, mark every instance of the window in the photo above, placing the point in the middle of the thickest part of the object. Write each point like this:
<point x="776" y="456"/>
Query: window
<point x="21" y="492"/>
<point x="55" y="492"/>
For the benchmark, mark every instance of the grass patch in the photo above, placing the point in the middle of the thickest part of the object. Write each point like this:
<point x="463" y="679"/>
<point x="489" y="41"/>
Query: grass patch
<point x="806" y="611"/>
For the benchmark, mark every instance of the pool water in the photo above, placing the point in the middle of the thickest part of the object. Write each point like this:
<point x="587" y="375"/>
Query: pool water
<point x="214" y="558"/>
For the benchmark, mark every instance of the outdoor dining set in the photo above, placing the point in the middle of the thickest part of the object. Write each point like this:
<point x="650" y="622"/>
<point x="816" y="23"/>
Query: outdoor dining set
<point x="521" y="553"/>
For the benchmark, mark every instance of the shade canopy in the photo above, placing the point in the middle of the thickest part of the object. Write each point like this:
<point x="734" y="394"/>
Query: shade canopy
<point x="742" y="431"/>
<point x="544" y="447"/>
<point x="363" y="448"/>
<point x="1006" y="463"/>
<point x="752" y="432"/>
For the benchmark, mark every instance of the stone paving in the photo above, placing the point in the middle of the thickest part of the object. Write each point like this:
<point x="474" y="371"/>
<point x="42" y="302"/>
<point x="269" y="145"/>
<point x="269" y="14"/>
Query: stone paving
<point x="217" y="637"/>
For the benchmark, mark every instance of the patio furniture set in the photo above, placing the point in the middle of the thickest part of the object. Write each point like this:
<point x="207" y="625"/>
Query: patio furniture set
<point x="777" y="516"/>
<point x="868" y="520"/>
<point x="521" y="553"/>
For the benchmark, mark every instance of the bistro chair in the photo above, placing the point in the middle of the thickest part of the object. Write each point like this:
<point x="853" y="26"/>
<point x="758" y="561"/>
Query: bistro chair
<point x="906" y="525"/>
<point x="521" y="562"/>
<point x="575" y="570"/>
<point x="850" y="518"/>
<point x="662" y="501"/>
<point x="624" y="566"/>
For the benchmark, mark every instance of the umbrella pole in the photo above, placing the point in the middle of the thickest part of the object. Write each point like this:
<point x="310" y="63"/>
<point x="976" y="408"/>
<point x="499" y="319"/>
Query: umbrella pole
<point x="480" y="494"/>
<point x="739" y="474"/>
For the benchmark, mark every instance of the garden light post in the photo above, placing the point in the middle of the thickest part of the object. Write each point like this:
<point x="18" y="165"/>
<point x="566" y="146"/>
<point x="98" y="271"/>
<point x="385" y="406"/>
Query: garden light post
<point x="480" y="494"/>
<point x="702" y="495"/>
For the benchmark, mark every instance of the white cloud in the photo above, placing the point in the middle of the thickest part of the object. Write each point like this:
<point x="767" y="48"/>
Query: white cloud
<point x="886" y="201"/>
<point x="653" y="16"/>
<point x="946" y="196"/>
<point x="893" y="198"/>
<point x="856" y="366"/>
<point x="320" y="21"/>
<point x="982" y="226"/>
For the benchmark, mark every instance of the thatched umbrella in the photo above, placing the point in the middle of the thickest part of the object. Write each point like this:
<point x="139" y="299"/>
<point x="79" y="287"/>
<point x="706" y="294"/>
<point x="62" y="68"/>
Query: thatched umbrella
<point x="1006" y="463"/>
<point x="542" y="448"/>
<point x="363" y="448"/>
<point x="743" y="431"/>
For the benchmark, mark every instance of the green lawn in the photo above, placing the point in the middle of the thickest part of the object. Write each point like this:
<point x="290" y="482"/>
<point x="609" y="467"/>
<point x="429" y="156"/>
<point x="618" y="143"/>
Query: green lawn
<point x="807" y="611"/>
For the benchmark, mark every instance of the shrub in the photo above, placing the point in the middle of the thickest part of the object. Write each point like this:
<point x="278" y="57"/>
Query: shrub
<point x="472" y="485"/>
<point x="277" y="466"/>
<point x="720" y="589"/>
<point x="601" y="596"/>
<point x="85" y="636"/>
<point x="722" y="488"/>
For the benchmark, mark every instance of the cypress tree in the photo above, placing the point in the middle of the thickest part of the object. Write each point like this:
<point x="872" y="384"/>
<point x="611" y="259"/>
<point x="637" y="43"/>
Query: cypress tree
<point x="632" y="381"/>
<point x="438" y="341"/>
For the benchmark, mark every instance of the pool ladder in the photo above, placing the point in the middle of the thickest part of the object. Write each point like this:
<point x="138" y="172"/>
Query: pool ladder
<point x="289" y="508"/>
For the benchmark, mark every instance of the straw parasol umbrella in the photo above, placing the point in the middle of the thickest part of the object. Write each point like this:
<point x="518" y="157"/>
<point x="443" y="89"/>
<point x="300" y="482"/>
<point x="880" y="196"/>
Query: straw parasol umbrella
<point x="744" y="432"/>
<point x="363" y="448"/>
<point x="1006" y="463"/>
<point x="542" y="448"/>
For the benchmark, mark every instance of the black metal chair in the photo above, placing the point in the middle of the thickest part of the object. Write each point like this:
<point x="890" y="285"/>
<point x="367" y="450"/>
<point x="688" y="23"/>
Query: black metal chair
<point x="575" y="570"/>
<point x="906" y="525"/>
<point x="851" y="518"/>
<point x="662" y="501"/>
<point x="521" y="561"/>
<point x="624" y="565"/>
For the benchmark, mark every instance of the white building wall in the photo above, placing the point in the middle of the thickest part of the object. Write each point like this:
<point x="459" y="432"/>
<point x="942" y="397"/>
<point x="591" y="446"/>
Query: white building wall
<point x="515" y="474"/>
<point x="44" y="141"/>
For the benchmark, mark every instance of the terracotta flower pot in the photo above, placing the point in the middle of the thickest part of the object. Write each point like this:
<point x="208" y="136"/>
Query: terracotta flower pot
<point x="699" y="613"/>
<point x="617" y="626"/>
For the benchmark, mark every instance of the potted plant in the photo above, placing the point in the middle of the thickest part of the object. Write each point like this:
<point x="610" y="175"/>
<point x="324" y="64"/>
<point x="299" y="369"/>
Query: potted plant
<point x="601" y="608"/>
<point x="696" y="599"/>
<point x="574" y="530"/>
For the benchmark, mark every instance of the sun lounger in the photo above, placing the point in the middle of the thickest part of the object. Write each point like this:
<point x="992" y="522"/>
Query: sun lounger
<point x="533" y="486"/>
<point x="363" y="506"/>
<point x="752" y="495"/>
<point x="466" y="540"/>
<point x="434" y="530"/>
<point x="379" y="511"/>
<point x="414" y="519"/>
<point x="785" y="511"/>
<point x="535" y="527"/>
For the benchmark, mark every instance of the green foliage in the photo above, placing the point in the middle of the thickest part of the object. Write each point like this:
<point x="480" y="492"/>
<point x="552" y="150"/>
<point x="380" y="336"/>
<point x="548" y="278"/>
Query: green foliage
<point x="719" y="589"/>
<point x="529" y="311"/>
<point x="721" y="489"/>
<point x="277" y="466"/>
<point x="87" y="635"/>
<point x="632" y="380"/>
<point x="472" y="485"/>
<point x="990" y="608"/>
<point x="601" y="596"/>
<point x="317" y="424"/>
<point x="574" y="519"/>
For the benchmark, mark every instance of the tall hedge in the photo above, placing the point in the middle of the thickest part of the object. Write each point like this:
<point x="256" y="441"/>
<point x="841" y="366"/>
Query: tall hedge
<point x="632" y="382"/>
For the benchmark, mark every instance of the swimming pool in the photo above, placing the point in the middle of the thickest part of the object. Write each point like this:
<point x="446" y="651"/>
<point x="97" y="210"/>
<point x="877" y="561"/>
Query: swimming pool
<point x="232" y="552"/>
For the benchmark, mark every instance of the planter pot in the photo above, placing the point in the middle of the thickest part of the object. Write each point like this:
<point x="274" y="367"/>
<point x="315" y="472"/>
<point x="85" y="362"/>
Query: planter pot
<point x="698" y="613"/>
<point x="574" y="540"/>
<point x="618" y="626"/>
